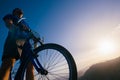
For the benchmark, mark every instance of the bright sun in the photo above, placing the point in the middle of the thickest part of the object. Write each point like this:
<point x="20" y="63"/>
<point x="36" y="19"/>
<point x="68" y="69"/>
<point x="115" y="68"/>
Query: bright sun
<point x="107" y="46"/>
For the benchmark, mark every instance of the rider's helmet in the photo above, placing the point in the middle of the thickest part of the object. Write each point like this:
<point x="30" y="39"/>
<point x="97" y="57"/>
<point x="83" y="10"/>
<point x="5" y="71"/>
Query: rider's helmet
<point x="8" y="19"/>
<point x="17" y="12"/>
<point x="8" y="16"/>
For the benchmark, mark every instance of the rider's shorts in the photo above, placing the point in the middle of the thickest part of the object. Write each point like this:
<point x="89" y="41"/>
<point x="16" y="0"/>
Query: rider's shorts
<point x="10" y="49"/>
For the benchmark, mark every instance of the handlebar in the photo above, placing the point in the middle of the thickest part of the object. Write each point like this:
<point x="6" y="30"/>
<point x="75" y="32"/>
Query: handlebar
<point x="35" y="39"/>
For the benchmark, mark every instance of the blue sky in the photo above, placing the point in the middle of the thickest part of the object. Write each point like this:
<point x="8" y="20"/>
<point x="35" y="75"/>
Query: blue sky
<point x="78" y="25"/>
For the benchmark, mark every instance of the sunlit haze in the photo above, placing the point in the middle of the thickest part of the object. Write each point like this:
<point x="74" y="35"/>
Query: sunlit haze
<point x="107" y="47"/>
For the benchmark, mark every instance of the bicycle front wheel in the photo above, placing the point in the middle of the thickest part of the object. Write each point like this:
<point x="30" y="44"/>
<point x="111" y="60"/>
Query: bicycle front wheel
<point x="57" y="61"/>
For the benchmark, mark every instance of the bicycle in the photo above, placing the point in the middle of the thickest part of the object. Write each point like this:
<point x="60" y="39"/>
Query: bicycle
<point x="51" y="62"/>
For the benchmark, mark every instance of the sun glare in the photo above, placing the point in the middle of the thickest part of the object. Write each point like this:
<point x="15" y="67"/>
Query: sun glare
<point x="107" y="47"/>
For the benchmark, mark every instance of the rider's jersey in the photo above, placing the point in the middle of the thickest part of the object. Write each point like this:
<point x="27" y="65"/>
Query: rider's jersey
<point x="18" y="29"/>
<point x="16" y="33"/>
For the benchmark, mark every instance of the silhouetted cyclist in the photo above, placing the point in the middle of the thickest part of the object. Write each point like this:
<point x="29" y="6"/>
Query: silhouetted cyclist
<point x="17" y="35"/>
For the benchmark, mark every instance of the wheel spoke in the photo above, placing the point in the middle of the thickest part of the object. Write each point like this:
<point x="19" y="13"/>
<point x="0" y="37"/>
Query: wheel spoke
<point x="53" y="66"/>
<point x="52" y="60"/>
<point x="55" y="62"/>
<point x="64" y="69"/>
<point x="58" y="76"/>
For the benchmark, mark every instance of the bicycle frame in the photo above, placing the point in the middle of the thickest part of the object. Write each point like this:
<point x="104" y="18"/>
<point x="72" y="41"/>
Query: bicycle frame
<point x="29" y="55"/>
<point x="58" y="64"/>
<point x="27" y="52"/>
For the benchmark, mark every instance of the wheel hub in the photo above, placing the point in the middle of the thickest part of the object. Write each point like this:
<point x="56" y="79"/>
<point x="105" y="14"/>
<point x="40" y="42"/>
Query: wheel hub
<point x="43" y="72"/>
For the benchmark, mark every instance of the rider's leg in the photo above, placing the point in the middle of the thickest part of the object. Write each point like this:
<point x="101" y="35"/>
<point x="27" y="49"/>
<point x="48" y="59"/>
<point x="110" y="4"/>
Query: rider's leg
<point x="5" y="68"/>
<point x="30" y="69"/>
<point x="30" y="72"/>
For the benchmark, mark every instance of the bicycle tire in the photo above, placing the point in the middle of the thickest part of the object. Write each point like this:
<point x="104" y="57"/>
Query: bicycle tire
<point x="72" y="70"/>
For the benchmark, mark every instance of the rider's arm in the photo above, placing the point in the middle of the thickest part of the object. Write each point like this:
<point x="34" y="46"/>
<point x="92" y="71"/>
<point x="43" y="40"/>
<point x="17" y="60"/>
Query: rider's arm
<point x="21" y="23"/>
<point x="24" y="26"/>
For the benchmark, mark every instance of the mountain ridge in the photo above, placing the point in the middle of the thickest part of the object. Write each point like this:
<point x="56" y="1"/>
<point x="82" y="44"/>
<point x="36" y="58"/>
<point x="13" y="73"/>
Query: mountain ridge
<point x="108" y="70"/>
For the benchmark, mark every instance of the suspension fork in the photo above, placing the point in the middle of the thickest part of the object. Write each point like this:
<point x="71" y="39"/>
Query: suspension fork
<point x="35" y="60"/>
<point x="36" y="63"/>
<point x="38" y="66"/>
